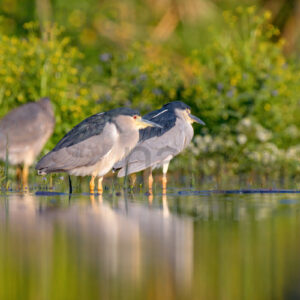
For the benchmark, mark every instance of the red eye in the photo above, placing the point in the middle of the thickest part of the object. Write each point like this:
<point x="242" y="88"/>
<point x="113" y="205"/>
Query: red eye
<point x="135" y="117"/>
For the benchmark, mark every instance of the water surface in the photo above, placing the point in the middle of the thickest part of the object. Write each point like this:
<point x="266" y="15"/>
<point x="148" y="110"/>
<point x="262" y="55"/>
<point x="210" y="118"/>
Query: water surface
<point x="186" y="245"/>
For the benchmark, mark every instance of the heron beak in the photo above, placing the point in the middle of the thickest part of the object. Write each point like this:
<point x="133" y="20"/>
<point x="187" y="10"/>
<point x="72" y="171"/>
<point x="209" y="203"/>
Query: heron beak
<point x="143" y="123"/>
<point x="195" y="119"/>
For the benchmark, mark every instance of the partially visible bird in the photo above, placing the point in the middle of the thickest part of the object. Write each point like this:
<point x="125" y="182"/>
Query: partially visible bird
<point x="157" y="146"/>
<point x="93" y="146"/>
<point x="24" y="132"/>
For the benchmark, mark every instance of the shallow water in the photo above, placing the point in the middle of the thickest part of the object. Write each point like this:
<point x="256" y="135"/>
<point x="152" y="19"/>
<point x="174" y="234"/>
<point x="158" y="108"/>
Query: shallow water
<point x="187" y="245"/>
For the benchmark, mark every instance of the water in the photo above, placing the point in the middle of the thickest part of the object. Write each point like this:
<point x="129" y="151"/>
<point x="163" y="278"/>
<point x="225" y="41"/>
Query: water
<point x="187" y="245"/>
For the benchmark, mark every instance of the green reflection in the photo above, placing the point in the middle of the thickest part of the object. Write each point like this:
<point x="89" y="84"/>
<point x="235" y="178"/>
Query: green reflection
<point x="183" y="247"/>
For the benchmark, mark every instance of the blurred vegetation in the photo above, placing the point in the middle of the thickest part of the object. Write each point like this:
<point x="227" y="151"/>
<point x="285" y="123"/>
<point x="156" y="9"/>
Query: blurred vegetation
<point x="2" y="177"/>
<point x="229" y="63"/>
<point x="46" y="65"/>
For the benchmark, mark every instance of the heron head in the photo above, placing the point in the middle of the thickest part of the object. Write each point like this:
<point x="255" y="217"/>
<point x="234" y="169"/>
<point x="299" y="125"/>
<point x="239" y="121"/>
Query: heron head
<point x="193" y="119"/>
<point x="128" y="119"/>
<point x="182" y="110"/>
<point x="141" y="123"/>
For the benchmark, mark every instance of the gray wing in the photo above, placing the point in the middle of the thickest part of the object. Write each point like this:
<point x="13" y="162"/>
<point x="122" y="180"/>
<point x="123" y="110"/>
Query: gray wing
<point x="24" y="126"/>
<point x="85" y="153"/>
<point x="155" y="150"/>
<point x="88" y="128"/>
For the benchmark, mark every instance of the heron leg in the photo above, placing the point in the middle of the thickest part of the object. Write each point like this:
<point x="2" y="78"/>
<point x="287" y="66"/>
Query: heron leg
<point x="70" y="185"/>
<point x="100" y="187"/>
<point x="150" y="184"/>
<point x="50" y="182"/>
<point x="150" y="180"/>
<point x="25" y="176"/>
<point x="132" y="180"/>
<point x="164" y="183"/>
<point x="150" y="197"/>
<point x="164" y="179"/>
<point x="92" y="184"/>
<point x="19" y="173"/>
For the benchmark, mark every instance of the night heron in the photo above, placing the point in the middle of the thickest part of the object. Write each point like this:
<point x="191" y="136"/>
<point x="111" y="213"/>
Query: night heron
<point x="24" y="132"/>
<point x="95" y="145"/>
<point x="157" y="146"/>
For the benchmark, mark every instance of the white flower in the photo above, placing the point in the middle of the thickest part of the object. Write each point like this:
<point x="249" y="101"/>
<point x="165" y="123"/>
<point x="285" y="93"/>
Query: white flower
<point x="211" y="163"/>
<point x="255" y="156"/>
<point x="263" y="134"/>
<point x="207" y="139"/>
<point x="292" y="131"/>
<point x="242" y="139"/>
<point x="229" y="143"/>
<point x="246" y="122"/>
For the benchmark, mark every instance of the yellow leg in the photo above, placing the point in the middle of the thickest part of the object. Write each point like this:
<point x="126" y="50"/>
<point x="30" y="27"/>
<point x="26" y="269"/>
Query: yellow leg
<point x="132" y="180"/>
<point x="19" y="174"/>
<point x="164" y="183"/>
<point x="150" y="181"/>
<point x="150" y="184"/>
<point x="150" y="198"/>
<point x="25" y="176"/>
<point x="164" y="179"/>
<point x="100" y="187"/>
<point x="92" y="185"/>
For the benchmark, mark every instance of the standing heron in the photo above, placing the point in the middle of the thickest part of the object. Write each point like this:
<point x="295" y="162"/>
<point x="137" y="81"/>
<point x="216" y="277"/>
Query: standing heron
<point x="24" y="132"/>
<point x="93" y="146"/>
<point x="157" y="146"/>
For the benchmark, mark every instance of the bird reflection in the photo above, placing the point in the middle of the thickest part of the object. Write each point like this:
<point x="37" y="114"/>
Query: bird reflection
<point x="120" y="240"/>
<point x="166" y="212"/>
<point x="22" y="206"/>
<point x="165" y="207"/>
<point x="150" y="197"/>
<point x="167" y="238"/>
<point x="96" y="199"/>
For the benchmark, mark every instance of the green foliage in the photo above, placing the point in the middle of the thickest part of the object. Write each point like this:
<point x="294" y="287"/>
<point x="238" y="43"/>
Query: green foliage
<point x="36" y="66"/>
<point x="248" y="95"/>
<point x="2" y="177"/>
<point x="142" y="77"/>
<point x="241" y="84"/>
